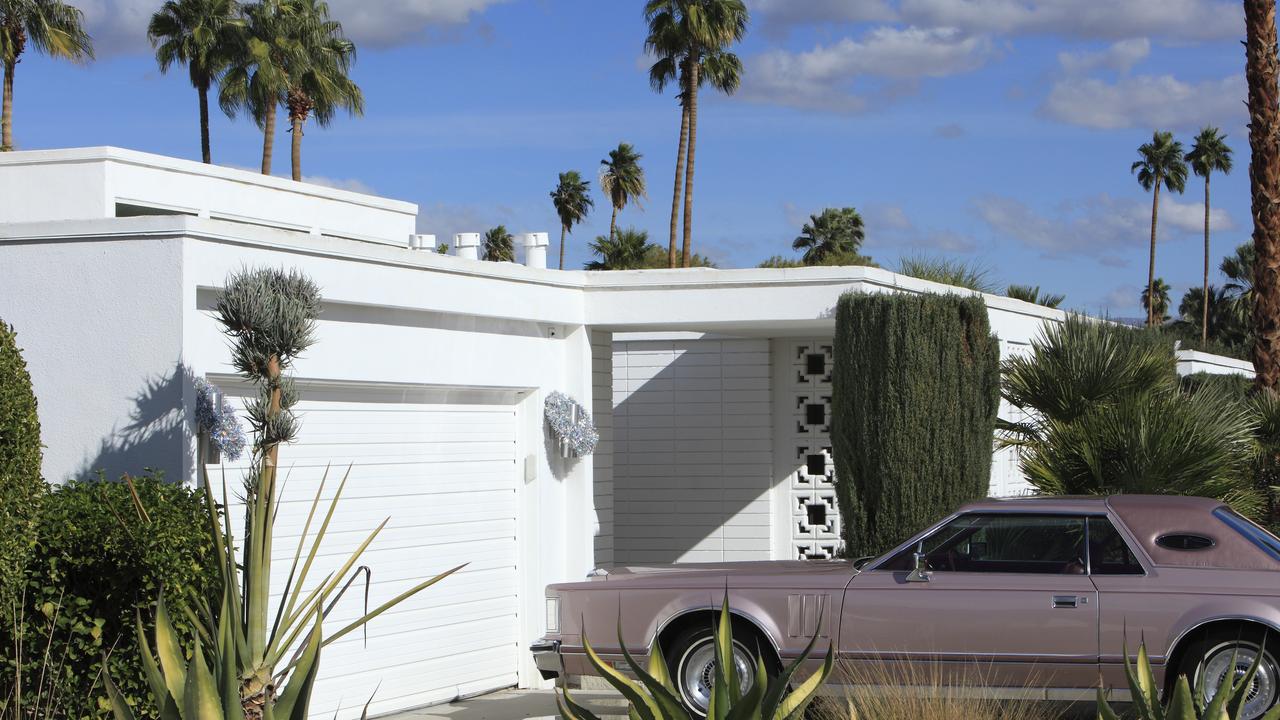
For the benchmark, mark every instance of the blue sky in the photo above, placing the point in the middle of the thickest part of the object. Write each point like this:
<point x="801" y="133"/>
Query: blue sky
<point x="995" y="131"/>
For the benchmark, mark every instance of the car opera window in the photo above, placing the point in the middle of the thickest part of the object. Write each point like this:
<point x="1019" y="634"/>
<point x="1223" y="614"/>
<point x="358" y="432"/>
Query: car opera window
<point x="1002" y="543"/>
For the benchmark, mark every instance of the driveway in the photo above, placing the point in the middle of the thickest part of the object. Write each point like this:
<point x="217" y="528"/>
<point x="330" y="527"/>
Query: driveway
<point x="515" y="705"/>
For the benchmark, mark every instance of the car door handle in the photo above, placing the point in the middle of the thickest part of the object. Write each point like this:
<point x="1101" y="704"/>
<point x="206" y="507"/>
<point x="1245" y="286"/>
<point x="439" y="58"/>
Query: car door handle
<point x="1067" y="601"/>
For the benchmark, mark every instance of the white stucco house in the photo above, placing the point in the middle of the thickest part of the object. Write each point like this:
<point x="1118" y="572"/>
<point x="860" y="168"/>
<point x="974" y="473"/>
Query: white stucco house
<point x="709" y="388"/>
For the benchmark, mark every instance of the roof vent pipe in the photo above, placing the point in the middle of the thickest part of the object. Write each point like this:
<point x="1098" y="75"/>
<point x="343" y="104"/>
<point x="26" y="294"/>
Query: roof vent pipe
<point x="467" y="245"/>
<point x="535" y="249"/>
<point x="422" y="242"/>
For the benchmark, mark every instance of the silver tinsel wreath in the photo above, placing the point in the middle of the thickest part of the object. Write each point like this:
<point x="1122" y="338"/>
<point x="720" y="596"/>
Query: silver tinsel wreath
<point x="571" y="424"/>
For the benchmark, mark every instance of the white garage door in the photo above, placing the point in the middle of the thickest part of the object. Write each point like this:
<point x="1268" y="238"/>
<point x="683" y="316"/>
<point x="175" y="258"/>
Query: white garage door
<point x="444" y="472"/>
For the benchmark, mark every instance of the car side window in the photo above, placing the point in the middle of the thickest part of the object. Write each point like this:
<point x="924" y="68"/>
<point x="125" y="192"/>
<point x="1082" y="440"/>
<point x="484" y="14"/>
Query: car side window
<point x="1003" y="543"/>
<point x="1109" y="554"/>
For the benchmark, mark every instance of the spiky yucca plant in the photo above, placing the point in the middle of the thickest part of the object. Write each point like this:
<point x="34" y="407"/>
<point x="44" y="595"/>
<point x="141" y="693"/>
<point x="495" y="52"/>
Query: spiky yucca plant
<point x="655" y="697"/>
<point x="248" y="662"/>
<point x="1225" y="704"/>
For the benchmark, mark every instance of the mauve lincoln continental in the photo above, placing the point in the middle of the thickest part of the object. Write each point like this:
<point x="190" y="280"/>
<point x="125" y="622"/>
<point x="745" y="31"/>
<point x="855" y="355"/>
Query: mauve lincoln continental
<point x="1032" y="593"/>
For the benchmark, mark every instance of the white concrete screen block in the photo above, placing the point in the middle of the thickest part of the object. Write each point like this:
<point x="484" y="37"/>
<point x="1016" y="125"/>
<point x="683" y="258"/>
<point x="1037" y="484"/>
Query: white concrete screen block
<point x="535" y="249"/>
<point x="467" y="245"/>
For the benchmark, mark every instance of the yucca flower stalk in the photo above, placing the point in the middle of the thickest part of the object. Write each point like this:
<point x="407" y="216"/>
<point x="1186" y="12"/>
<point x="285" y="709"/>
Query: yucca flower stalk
<point x="250" y="661"/>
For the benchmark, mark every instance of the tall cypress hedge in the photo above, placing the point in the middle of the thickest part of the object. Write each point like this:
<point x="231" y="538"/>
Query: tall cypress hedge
<point x="916" y="387"/>
<point x="21" y="486"/>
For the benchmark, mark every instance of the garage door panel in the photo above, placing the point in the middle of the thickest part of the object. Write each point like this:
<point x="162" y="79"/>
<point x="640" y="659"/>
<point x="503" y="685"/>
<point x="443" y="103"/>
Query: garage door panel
<point x="446" y="477"/>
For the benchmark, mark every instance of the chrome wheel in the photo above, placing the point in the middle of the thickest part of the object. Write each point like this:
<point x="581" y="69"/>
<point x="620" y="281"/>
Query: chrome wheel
<point x="1236" y="658"/>
<point x="696" y="672"/>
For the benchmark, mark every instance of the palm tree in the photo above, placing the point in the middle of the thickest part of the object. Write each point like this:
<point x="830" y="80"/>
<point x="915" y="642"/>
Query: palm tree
<point x="835" y="231"/>
<point x="1158" y="311"/>
<point x="319" y="80"/>
<point x="51" y="27"/>
<point x="499" y="246"/>
<point x="1032" y="294"/>
<point x="1160" y="163"/>
<point x="668" y="40"/>
<point x="257" y="77"/>
<point x="1218" y="314"/>
<point x="1261" y="70"/>
<point x="622" y="250"/>
<point x="1238" y="269"/>
<point x="694" y="35"/>
<point x="572" y="201"/>
<point x="200" y="34"/>
<point x="622" y="180"/>
<point x="1209" y="154"/>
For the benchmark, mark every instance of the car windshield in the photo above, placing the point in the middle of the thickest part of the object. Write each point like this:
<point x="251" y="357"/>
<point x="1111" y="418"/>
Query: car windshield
<point x="1269" y="543"/>
<point x="1041" y="544"/>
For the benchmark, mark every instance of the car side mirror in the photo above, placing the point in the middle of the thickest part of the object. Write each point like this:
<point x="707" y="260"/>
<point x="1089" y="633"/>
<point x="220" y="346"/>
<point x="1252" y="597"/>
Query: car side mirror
<point x="920" y="574"/>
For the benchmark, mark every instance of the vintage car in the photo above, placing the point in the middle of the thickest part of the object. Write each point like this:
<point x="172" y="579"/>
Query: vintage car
<point x="1038" y="596"/>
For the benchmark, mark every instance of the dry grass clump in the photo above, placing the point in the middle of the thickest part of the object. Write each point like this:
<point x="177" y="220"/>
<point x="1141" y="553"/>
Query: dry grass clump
<point x="925" y="691"/>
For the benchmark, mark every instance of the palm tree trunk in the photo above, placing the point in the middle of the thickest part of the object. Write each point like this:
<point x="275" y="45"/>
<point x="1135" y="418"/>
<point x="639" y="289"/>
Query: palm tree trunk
<point x="679" y="184"/>
<point x="613" y="223"/>
<point x="296" y="129"/>
<point x="205" y="154"/>
<point x="268" y="138"/>
<point x="1204" y="321"/>
<point x="688" y="169"/>
<point x="1261" y="67"/>
<point x="562" y="232"/>
<point x="6" y="115"/>
<point x="1151" y="265"/>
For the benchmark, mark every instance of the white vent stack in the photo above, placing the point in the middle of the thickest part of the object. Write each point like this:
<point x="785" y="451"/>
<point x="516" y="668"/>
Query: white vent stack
<point x="535" y="249"/>
<point x="422" y="242"/>
<point x="467" y="245"/>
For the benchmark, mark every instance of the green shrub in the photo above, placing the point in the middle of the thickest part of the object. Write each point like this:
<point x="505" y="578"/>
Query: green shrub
<point x="100" y="560"/>
<point x="957" y="273"/>
<point x="21" y="486"/>
<point x="915" y="393"/>
<point x="1236" y="386"/>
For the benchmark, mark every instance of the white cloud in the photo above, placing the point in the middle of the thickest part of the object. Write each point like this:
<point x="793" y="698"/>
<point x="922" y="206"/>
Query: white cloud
<point x="1120" y="56"/>
<point x="889" y="227"/>
<point x="779" y="14"/>
<point x="397" y="22"/>
<point x="348" y="184"/>
<point x="1147" y="101"/>
<point x="1100" y="225"/>
<point x="120" y="26"/>
<point x="950" y="131"/>
<point x="444" y="220"/>
<point x="1089" y="19"/>
<point x="825" y="77"/>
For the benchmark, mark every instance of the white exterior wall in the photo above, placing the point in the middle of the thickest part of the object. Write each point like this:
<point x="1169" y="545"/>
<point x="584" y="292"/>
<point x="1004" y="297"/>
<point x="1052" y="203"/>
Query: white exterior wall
<point x="692" y="465"/>
<point x="87" y="183"/>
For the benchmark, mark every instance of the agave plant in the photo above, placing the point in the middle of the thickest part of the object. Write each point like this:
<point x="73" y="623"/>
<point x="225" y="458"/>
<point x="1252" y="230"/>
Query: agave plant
<point x="1225" y="704"/>
<point x="655" y="697"/>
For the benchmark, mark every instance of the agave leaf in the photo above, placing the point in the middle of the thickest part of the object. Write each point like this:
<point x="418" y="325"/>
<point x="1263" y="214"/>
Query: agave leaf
<point x="200" y="696"/>
<point x="724" y="650"/>
<point x="155" y="678"/>
<point x="1104" y="710"/>
<point x="658" y="667"/>
<point x="748" y="708"/>
<point x="229" y="678"/>
<point x="171" y="661"/>
<point x="1139" y="698"/>
<point x="1147" y="679"/>
<point x="659" y="687"/>
<point x="570" y="710"/>
<point x="289" y="612"/>
<point x="778" y="686"/>
<point x="794" y="704"/>
<point x="1238" y="688"/>
<point x="1181" y="706"/>
<point x="644" y="706"/>
<point x="295" y="699"/>
<point x="392" y="603"/>
<point x="119" y="708"/>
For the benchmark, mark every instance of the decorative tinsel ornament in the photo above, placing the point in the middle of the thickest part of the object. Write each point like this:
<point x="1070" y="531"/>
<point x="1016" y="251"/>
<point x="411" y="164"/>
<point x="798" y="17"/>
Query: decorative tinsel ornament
<point x="571" y="424"/>
<point x="217" y="419"/>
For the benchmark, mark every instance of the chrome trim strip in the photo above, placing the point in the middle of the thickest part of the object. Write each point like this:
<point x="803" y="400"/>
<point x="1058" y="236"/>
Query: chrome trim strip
<point x="910" y="656"/>
<point x="1218" y="618"/>
<point x="777" y="650"/>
